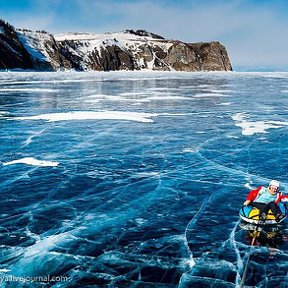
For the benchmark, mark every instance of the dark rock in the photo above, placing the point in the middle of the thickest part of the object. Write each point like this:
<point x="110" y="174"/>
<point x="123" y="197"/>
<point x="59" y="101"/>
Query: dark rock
<point x="213" y="56"/>
<point x="66" y="50"/>
<point x="144" y="33"/>
<point x="12" y="52"/>
<point x="59" y="59"/>
<point x="113" y="58"/>
<point x="182" y="57"/>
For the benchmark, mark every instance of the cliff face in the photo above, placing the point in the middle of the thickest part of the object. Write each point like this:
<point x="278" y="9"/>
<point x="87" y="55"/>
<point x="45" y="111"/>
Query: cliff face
<point x="44" y="51"/>
<point x="12" y="52"/>
<point x="128" y="50"/>
<point x="134" y="50"/>
<point x="213" y="56"/>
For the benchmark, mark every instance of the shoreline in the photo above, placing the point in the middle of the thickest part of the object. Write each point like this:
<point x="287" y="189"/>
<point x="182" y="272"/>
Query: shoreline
<point x="2" y="71"/>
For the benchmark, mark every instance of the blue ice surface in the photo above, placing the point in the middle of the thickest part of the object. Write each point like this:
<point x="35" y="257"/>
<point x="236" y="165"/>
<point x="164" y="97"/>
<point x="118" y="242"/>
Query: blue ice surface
<point x="148" y="173"/>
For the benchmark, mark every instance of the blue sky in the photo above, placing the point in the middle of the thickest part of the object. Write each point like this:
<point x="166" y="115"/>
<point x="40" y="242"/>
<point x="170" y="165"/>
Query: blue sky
<point x="253" y="31"/>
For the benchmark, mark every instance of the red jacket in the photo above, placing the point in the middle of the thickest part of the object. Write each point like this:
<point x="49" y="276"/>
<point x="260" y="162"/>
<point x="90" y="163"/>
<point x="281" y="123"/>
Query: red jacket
<point x="254" y="194"/>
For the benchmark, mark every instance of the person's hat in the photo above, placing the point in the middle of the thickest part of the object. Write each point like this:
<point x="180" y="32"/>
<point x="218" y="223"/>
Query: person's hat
<point x="274" y="183"/>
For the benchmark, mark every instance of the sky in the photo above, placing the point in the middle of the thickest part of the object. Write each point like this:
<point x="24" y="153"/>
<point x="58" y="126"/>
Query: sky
<point x="254" y="32"/>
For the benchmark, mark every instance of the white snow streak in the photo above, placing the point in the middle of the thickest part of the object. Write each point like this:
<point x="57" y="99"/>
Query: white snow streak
<point x="89" y="115"/>
<point x="32" y="161"/>
<point x="250" y="128"/>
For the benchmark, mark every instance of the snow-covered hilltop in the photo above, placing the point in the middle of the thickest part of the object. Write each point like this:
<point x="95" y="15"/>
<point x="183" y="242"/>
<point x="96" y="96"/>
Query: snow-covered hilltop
<point x="126" y="50"/>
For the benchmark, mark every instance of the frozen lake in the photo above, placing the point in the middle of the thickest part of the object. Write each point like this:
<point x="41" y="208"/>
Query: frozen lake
<point x="135" y="179"/>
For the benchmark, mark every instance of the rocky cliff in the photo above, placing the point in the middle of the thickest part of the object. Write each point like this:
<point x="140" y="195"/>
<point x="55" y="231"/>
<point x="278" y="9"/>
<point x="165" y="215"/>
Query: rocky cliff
<point x="127" y="50"/>
<point x="12" y="52"/>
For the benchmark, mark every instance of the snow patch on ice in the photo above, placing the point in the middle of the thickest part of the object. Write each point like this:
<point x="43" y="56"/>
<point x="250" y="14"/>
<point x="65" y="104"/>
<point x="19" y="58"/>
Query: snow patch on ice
<point x="188" y="150"/>
<point x="102" y="97"/>
<point x="224" y="104"/>
<point x="221" y="91"/>
<point x="205" y="95"/>
<point x="239" y="117"/>
<point x="168" y="97"/>
<point x="4" y="270"/>
<point x="89" y="115"/>
<point x="250" y="128"/>
<point x="148" y="174"/>
<point x="26" y="90"/>
<point x="32" y="161"/>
